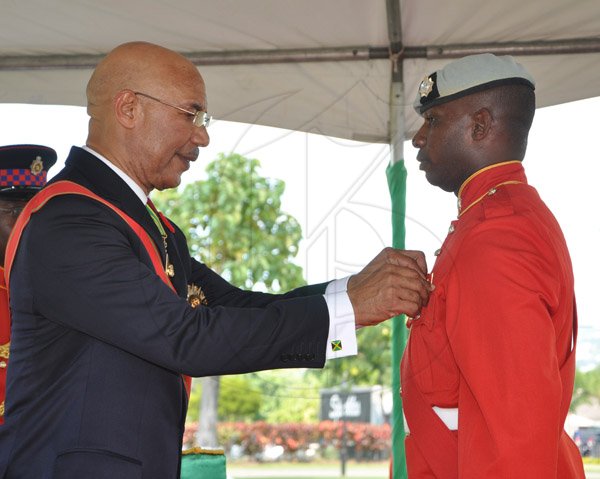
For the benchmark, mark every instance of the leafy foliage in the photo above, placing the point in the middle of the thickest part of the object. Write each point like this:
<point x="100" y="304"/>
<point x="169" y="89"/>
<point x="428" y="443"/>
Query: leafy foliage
<point x="279" y="396"/>
<point x="366" y="441"/>
<point x="587" y="388"/>
<point x="288" y="396"/>
<point x="233" y="222"/>
<point x="240" y="399"/>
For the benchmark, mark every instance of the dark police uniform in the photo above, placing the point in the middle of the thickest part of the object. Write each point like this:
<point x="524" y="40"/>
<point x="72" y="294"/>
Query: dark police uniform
<point x="23" y="171"/>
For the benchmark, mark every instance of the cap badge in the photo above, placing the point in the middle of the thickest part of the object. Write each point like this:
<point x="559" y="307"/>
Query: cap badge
<point x="196" y="296"/>
<point x="37" y="166"/>
<point x="425" y="87"/>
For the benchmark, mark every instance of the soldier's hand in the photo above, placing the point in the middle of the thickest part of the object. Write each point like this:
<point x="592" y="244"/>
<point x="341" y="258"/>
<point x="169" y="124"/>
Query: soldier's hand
<point x="393" y="283"/>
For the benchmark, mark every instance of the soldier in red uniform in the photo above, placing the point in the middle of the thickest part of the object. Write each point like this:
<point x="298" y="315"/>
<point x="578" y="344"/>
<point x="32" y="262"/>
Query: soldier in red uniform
<point x="487" y="375"/>
<point x="23" y="170"/>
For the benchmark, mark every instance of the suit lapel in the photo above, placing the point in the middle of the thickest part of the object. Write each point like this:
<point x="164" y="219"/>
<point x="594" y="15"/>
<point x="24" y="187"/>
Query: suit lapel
<point x="87" y="170"/>
<point x="84" y="168"/>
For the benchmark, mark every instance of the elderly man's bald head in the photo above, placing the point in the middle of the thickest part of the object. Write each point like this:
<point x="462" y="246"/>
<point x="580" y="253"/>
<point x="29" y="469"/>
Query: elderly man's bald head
<point x="142" y="101"/>
<point x="137" y="66"/>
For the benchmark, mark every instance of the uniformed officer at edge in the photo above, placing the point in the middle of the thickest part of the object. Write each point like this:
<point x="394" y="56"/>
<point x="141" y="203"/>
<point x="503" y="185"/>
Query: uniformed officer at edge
<point x="23" y="172"/>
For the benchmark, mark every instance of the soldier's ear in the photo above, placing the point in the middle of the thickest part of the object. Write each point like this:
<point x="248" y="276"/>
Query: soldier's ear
<point x="481" y="124"/>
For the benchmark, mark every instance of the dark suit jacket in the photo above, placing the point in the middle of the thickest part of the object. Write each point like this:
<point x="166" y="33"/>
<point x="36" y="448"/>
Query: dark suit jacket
<point x="99" y="342"/>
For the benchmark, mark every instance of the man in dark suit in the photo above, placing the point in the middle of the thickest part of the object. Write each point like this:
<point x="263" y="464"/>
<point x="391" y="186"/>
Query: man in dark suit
<point x="102" y="331"/>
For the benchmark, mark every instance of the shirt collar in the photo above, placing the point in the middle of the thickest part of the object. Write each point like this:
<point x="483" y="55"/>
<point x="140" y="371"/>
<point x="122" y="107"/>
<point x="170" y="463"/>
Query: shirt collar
<point x="126" y="178"/>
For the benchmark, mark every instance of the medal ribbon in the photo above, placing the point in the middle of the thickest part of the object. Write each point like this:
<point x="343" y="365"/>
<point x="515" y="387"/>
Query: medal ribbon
<point x="156" y="220"/>
<point x="153" y="214"/>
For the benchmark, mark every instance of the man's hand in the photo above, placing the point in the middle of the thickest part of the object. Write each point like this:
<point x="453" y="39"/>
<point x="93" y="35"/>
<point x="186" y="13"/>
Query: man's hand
<point x="393" y="283"/>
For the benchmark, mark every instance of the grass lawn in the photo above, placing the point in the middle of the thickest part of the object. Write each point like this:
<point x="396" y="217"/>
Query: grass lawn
<point x="327" y="470"/>
<point x="312" y="470"/>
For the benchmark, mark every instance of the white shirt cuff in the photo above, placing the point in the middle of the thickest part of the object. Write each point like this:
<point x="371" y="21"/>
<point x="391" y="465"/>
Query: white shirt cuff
<point x="341" y="341"/>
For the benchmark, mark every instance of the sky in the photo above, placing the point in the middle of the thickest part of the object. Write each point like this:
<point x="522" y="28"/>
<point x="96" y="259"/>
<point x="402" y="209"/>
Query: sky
<point x="338" y="192"/>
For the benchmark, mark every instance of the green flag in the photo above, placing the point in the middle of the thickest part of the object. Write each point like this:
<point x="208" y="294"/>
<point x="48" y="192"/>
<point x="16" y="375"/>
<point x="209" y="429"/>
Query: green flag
<point x="396" y="176"/>
<point x="198" y="463"/>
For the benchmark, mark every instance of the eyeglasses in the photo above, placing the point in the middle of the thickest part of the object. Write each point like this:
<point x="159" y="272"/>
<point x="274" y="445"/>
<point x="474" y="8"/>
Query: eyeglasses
<point x="199" y="118"/>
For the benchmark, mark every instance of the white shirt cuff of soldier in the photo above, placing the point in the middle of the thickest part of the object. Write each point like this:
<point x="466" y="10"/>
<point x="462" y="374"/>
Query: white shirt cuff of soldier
<point x="341" y="341"/>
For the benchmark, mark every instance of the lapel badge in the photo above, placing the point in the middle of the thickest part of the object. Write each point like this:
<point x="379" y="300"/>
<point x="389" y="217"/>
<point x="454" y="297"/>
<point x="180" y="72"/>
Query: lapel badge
<point x="425" y="87"/>
<point x="196" y="296"/>
<point x="37" y="166"/>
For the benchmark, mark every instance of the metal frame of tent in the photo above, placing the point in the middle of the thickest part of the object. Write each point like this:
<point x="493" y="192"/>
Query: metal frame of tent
<point x="395" y="50"/>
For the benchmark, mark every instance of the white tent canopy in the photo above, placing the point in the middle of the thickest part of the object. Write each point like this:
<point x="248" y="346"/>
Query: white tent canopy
<point x="324" y="66"/>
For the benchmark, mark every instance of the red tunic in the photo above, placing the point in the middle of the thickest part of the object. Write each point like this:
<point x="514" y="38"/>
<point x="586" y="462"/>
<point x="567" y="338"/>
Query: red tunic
<point x="4" y="341"/>
<point x="495" y="340"/>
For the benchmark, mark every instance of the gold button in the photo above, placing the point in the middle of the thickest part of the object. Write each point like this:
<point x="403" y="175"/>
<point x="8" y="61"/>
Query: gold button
<point x="437" y="252"/>
<point x="3" y="364"/>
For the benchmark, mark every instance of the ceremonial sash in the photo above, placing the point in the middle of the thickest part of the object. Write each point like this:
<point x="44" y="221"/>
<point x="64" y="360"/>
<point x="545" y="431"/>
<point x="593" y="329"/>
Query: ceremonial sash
<point x="4" y="342"/>
<point x="69" y="188"/>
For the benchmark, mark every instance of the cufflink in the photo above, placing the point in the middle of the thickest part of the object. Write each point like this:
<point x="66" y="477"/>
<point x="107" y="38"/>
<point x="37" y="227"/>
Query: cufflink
<point x="336" y="345"/>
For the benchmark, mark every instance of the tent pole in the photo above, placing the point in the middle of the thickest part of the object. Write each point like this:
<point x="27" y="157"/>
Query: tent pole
<point x="396" y="122"/>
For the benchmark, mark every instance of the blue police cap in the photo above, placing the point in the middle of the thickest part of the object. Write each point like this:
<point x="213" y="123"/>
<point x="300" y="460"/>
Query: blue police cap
<point x="24" y="168"/>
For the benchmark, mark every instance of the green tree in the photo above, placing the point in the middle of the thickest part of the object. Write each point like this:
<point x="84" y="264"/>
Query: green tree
<point x="587" y="388"/>
<point x="288" y="396"/>
<point x="240" y="399"/>
<point x="233" y="222"/>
